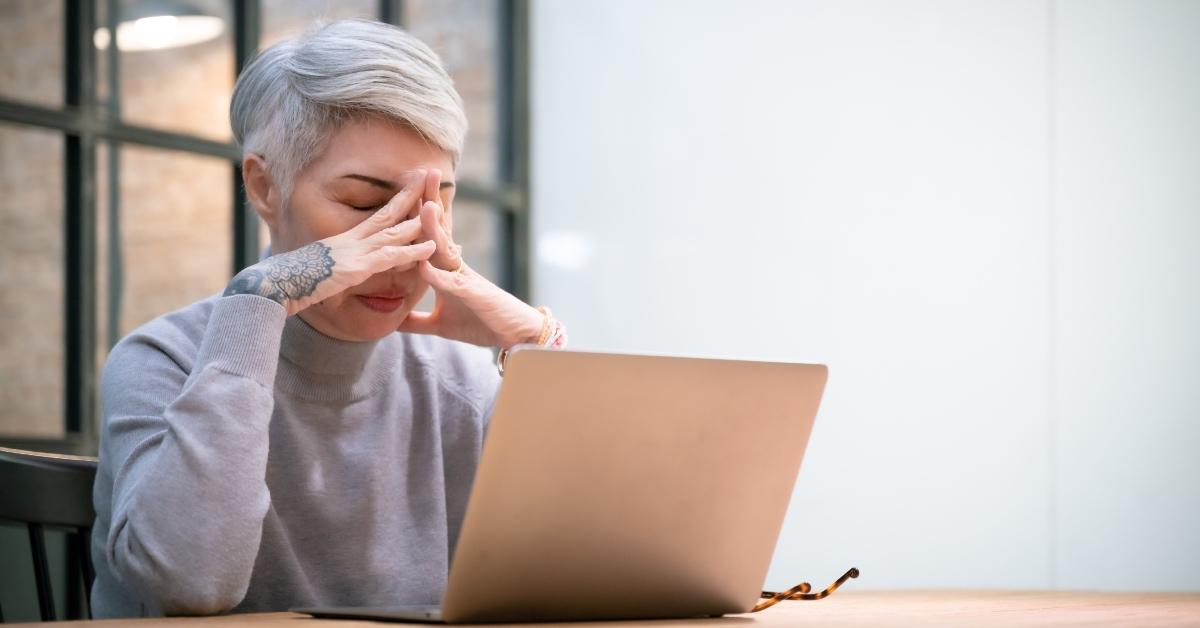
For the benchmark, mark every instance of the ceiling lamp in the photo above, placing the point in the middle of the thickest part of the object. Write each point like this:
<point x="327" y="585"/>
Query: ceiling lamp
<point x="160" y="25"/>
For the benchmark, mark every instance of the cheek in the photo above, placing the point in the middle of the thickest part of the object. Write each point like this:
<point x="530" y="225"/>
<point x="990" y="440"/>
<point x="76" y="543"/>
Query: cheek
<point x="310" y="224"/>
<point x="328" y="312"/>
<point x="330" y="221"/>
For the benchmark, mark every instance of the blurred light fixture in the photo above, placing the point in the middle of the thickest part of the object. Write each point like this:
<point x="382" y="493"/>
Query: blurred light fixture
<point x="160" y="24"/>
<point x="565" y="249"/>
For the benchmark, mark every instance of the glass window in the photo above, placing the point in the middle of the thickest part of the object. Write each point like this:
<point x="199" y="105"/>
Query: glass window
<point x="464" y="33"/>
<point x="31" y="51"/>
<point x="478" y="229"/>
<point x="174" y="74"/>
<point x="163" y="223"/>
<point x="107" y="158"/>
<point x="286" y="18"/>
<point x="175" y="223"/>
<point x="31" y="282"/>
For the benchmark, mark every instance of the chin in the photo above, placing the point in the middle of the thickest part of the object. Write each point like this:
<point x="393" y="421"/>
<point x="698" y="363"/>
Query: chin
<point x="355" y="322"/>
<point x="368" y="326"/>
<point x="370" y="333"/>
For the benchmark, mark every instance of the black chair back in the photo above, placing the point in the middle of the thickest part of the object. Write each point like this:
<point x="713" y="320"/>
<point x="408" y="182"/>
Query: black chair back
<point x="41" y="490"/>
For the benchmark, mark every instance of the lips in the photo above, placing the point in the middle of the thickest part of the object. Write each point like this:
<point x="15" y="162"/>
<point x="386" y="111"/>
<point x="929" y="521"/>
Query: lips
<point x="384" y="302"/>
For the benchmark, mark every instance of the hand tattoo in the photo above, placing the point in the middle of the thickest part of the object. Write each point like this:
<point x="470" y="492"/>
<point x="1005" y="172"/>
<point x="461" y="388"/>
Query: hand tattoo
<point x="254" y="281"/>
<point x="292" y="275"/>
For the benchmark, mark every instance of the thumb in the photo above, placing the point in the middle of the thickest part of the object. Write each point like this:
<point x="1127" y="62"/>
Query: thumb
<point x="444" y="280"/>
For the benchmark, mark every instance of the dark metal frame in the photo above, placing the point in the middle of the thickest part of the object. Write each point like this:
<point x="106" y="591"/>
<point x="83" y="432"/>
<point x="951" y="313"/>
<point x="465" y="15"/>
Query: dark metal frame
<point x="79" y="300"/>
<point x="246" y="22"/>
<point x="85" y="123"/>
<point x="514" y="144"/>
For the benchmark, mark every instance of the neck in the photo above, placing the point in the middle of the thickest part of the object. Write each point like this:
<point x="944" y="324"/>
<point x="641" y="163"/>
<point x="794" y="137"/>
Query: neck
<point x="317" y="366"/>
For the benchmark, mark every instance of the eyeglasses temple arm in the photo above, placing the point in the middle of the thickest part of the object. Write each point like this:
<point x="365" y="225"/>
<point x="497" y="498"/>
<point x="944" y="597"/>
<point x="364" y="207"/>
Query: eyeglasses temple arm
<point x="801" y="592"/>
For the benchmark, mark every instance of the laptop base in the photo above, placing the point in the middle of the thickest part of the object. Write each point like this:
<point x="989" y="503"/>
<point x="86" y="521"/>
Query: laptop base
<point x="412" y="614"/>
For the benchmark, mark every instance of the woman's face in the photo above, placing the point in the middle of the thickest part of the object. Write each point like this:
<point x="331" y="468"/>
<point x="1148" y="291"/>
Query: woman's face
<point x="364" y="164"/>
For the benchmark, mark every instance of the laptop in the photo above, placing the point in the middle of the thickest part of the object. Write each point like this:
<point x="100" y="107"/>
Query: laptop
<point x="619" y="486"/>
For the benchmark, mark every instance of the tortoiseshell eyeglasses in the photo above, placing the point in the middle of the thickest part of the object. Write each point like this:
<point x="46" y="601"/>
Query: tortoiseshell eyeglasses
<point x="801" y="592"/>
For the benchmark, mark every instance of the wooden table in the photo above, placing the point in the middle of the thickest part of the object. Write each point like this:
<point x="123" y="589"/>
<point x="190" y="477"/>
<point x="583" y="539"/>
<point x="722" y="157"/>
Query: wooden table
<point x="973" y="609"/>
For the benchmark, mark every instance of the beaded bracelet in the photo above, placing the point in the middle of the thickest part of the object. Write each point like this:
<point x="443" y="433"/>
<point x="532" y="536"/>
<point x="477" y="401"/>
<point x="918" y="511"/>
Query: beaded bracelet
<point x="552" y="336"/>
<point x="547" y="326"/>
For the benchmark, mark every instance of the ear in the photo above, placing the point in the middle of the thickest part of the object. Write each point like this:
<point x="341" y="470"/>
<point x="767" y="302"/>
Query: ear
<point x="260" y="189"/>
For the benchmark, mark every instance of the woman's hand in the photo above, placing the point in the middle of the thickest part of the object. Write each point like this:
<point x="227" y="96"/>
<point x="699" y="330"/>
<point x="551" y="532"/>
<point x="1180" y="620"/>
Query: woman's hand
<point x="299" y="278"/>
<point x="468" y="308"/>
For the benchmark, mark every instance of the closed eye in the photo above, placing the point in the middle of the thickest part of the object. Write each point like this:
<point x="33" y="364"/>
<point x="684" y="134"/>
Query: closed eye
<point x="365" y="208"/>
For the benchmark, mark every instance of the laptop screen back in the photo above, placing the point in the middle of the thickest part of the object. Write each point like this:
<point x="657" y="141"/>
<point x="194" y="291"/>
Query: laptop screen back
<point x="618" y="486"/>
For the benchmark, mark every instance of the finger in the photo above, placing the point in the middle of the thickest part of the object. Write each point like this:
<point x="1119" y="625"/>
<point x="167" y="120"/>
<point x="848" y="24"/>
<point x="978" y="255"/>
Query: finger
<point x="444" y="280"/>
<point x="433" y="185"/>
<point x="433" y="192"/>
<point x="391" y="256"/>
<point x="433" y="181"/>
<point x="403" y="233"/>
<point x="396" y="209"/>
<point x="449" y="254"/>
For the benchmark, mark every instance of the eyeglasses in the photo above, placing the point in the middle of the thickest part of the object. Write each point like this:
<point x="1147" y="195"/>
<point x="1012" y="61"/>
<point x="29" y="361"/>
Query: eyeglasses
<point x="801" y="592"/>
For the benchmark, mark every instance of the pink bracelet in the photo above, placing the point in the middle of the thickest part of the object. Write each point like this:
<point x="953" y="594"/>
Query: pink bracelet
<point x="553" y="336"/>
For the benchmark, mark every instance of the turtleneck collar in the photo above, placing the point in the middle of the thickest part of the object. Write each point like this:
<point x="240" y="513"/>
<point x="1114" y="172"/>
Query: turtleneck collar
<point x="316" y="366"/>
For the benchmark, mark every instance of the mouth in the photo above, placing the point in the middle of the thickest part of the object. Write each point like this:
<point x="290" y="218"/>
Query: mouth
<point x="385" y="302"/>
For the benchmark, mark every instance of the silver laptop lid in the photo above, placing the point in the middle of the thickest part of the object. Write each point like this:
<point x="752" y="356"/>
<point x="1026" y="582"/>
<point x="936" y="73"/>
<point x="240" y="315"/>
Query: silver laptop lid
<point x="619" y="486"/>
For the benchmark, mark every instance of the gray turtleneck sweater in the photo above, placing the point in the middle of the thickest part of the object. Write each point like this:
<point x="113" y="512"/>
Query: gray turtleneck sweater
<point x="251" y="463"/>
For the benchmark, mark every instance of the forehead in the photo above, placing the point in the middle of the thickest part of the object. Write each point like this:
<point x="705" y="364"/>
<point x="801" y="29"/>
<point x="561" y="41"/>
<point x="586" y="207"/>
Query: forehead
<point x="378" y="148"/>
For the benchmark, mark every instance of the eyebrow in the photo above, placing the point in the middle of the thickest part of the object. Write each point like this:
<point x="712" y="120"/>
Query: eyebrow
<point x="385" y="184"/>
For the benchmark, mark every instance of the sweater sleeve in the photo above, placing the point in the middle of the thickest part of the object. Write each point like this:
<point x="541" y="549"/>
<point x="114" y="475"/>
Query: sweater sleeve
<point x="187" y="453"/>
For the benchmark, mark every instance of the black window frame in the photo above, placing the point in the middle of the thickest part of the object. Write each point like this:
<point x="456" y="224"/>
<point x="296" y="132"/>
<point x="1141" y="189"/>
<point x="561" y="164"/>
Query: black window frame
<point x="85" y="123"/>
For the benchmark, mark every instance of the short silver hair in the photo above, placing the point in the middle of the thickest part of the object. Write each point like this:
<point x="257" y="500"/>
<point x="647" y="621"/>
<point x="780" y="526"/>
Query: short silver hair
<point x="295" y="93"/>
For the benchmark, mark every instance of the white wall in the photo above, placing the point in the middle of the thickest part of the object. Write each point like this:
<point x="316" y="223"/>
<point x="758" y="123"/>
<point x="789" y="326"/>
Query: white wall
<point x="1127" y="294"/>
<point x="977" y="213"/>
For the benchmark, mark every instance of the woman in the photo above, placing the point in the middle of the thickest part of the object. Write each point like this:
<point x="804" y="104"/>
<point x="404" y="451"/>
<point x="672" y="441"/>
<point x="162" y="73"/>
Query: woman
<point x="280" y="444"/>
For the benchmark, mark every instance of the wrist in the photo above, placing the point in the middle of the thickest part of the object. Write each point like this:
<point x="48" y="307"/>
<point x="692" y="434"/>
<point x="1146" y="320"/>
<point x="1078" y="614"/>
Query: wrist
<point x="551" y="334"/>
<point x="530" y="328"/>
<point x="256" y="281"/>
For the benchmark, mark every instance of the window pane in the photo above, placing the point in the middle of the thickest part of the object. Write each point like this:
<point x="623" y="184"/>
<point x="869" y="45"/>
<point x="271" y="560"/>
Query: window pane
<point x="31" y="282"/>
<point x="174" y="75"/>
<point x="287" y="18"/>
<point x="31" y="51"/>
<point x="464" y="34"/>
<point x="175" y="215"/>
<point x="106" y="335"/>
